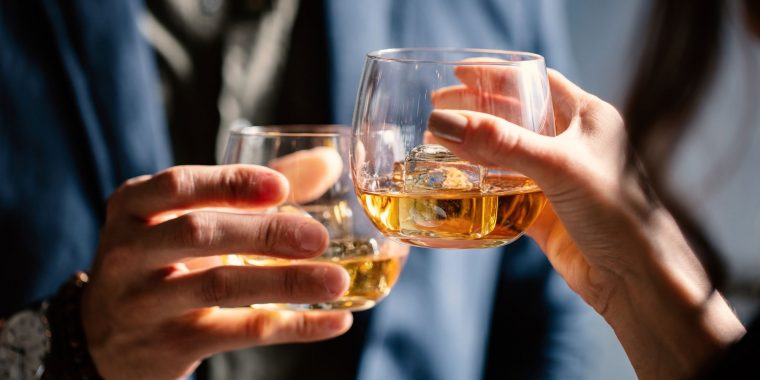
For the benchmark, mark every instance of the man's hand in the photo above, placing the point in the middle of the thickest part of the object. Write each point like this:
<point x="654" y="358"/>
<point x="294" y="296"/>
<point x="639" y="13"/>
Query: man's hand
<point x="147" y="316"/>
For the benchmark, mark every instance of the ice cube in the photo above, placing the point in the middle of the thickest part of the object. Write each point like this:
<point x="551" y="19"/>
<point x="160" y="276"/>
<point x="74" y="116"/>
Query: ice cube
<point x="337" y="217"/>
<point x="397" y="178"/>
<point x="351" y="247"/>
<point x="431" y="167"/>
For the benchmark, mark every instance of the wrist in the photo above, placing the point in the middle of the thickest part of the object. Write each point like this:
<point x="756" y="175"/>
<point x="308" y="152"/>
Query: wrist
<point x="666" y="313"/>
<point x="666" y="336"/>
<point x="69" y="355"/>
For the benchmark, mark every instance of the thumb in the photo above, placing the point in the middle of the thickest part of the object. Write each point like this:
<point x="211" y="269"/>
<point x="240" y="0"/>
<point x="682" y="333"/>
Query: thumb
<point x="492" y="141"/>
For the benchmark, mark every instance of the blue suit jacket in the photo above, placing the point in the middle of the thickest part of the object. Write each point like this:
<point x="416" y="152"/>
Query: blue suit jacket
<point x="78" y="115"/>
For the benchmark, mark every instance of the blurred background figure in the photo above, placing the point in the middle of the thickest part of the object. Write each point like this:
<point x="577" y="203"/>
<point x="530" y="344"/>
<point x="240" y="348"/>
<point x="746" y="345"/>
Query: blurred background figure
<point x="607" y="39"/>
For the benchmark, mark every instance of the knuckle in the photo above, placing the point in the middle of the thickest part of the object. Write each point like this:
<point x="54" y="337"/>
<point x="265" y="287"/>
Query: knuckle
<point x="258" y="327"/>
<point x="505" y="144"/>
<point x="291" y="282"/>
<point x="118" y="197"/>
<point x="612" y="111"/>
<point x="265" y="329"/>
<point x="302" y="328"/>
<point x="216" y="287"/>
<point x="236" y="182"/>
<point x="553" y="72"/>
<point x="198" y="229"/>
<point x="490" y="127"/>
<point x="594" y="109"/>
<point x="174" y="181"/>
<point x="268" y="233"/>
<point x="497" y="142"/>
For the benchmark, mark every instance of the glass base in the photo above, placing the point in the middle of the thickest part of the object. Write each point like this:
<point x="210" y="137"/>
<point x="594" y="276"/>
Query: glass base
<point x="434" y="242"/>
<point x="345" y="303"/>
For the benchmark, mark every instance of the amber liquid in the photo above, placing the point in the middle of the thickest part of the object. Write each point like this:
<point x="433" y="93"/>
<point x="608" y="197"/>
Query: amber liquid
<point x="372" y="277"/>
<point x="455" y="219"/>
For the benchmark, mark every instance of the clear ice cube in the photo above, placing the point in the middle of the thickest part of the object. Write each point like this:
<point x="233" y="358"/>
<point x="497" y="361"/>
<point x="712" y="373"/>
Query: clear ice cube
<point x="397" y="178"/>
<point x="432" y="167"/>
<point x="351" y="247"/>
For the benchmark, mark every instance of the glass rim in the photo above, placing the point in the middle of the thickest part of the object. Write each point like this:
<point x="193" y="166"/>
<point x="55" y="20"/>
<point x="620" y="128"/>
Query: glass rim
<point x="290" y="130"/>
<point x="382" y="55"/>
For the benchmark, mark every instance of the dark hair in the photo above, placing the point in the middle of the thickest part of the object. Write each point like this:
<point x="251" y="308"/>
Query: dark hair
<point x="681" y="54"/>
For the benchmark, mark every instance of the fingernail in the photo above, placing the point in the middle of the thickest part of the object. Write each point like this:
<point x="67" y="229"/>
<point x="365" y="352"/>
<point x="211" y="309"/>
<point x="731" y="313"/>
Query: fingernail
<point x="448" y="125"/>
<point x="310" y="236"/>
<point x="335" y="280"/>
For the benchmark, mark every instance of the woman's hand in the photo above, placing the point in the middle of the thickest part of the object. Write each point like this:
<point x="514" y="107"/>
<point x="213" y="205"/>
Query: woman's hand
<point x="147" y="316"/>
<point x="582" y="171"/>
<point x="622" y="253"/>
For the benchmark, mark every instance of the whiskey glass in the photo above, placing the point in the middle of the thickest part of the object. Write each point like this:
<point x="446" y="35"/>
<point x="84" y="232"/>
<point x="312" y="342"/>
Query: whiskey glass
<point x="419" y="193"/>
<point x="314" y="159"/>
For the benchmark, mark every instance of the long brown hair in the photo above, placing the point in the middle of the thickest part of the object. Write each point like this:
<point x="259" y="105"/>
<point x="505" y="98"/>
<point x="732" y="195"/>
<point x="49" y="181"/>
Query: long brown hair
<point x="679" y="59"/>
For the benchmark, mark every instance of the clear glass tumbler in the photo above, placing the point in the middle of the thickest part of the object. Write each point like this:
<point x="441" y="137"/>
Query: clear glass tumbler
<point x="314" y="159"/>
<point x="418" y="192"/>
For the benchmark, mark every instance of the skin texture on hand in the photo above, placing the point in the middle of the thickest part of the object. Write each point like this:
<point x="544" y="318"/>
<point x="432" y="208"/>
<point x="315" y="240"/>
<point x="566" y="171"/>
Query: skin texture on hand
<point x="624" y="255"/>
<point x="148" y="316"/>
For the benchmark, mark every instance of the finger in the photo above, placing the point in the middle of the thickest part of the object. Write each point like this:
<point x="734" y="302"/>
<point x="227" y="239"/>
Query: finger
<point x="231" y="329"/>
<point x="572" y="105"/>
<point x="464" y="98"/>
<point x="310" y="172"/>
<point x="567" y="99"/>
<point x="187" y="187"/>
<point x="492" y="141"/>
<point x="494" y="78"/>
<point x="203" y="233"/>
<point x="236" y="286"/>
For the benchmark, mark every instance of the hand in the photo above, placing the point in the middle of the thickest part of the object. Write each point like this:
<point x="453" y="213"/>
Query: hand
<point x="576" y="170"/>
<point x="622" y="253"/>
<point x="147" y="316"/>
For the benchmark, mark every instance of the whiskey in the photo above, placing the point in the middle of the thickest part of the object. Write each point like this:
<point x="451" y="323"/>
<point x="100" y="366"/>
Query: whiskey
<point x="372" y="274"/>
<point x="435" y="199"/>
<point x="454" y="218"/>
